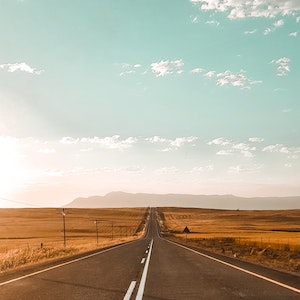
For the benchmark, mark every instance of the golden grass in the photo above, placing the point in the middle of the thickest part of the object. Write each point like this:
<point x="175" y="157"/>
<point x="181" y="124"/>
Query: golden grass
<point x="33" y="235"/>
<point x="280" y="229"/>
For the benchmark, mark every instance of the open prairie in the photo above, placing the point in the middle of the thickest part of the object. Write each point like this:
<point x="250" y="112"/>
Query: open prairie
<point x="271" y="237"/>
<point x="31" y="235"/>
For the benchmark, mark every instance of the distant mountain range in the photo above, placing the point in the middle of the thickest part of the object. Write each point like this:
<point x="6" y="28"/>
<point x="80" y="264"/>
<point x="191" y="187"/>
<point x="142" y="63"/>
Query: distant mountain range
<point x="121" y="199"/>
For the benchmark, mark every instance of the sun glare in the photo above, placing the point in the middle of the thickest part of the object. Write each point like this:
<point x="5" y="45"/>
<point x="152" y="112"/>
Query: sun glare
<point x="11" y="169"/>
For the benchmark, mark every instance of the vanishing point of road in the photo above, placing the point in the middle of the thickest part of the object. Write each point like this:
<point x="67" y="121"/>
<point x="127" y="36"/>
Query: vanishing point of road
<point x="152" y="268"/>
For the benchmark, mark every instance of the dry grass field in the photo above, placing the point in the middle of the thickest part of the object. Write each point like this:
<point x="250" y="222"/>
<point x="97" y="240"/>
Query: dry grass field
<point x="267" y="237"/>
<point x="34" y="235"/>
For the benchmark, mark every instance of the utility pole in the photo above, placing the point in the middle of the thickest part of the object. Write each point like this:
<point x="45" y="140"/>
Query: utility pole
<point x="64" y="225"/>
<point x="112" y="230"/>
<point x="96" y="222"/>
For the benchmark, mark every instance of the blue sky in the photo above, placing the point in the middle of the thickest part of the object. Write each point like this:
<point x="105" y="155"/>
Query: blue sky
<point x="172" y="96"/>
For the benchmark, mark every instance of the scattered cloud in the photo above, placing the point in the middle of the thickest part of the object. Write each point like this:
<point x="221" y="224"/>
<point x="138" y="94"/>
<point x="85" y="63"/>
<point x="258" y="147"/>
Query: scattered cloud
<point x="228" y="78"/>
<point x="239" y="9"/>
<point x="220" y="141"/>
<point x="293" y="34"/>
<point x="128" y="69"/>
<point x="256" y="140"/>
<point x="210" y="74"/>
<point x="69" y="140"/>
<point x="276" y="25"/>
<point x="197" y="70"/>
<point x="282" y="66"/>
<point x="278" y="148"/>
<point x="178" y="142"/>
<point x="165" y="67"/>
<point x="22" y="67"/>
<point x="267" y="31"/>
<point x="231" y="148"/>
<point x="111" y="142"/>
<point x="194" y="19"/>
<point x="250" y="32"/>
<point x="172" y="144"/>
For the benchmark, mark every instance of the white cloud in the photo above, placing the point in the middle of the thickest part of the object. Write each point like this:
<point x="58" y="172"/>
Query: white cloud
<point x="178" y="142"/>
<point x="165" y="67"/>
<point x="23" y="67"/>
<point x="250" y="32"/>
<point x="220" y="141"/>
<point x="210" y="74"/>
<point x="128" y="69"/>
<point x="278" y="23"/>
<point x="69" y="140"/>
<point x="238" y="9"/>
<point x="255" y="139"/>
<point x="242" y="146"/>
<point x="194" y="19"/>
<point x="245" y="150"/>
<point x="279" y="148"/>
<point x="298" y="19"/>
<point x="111" y="142"/>
<point x="267" y="31"/>
<point x="197" y="70"/>
<point x="172" y="144"/>
<point x="228" y="78"/>
<point x="156" y="139"/>
<point x="294" y="34"/>
<point x="282" y="66"/>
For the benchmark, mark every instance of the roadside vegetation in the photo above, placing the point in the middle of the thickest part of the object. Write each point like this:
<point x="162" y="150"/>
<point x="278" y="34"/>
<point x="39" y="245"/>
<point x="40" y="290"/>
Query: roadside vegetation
<point x="270" y="238"/>
<point x="31" y="236"/>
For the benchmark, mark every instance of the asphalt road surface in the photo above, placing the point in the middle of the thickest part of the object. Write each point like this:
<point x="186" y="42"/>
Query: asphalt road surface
<point x="152" y="268"/>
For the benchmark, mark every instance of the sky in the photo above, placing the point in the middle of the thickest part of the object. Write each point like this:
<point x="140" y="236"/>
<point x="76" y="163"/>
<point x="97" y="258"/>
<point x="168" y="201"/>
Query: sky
<point x="173" y="96"/>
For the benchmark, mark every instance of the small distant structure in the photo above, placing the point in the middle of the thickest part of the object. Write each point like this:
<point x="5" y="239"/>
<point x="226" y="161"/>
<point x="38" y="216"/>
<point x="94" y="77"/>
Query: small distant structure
<point x="186" y="230"/>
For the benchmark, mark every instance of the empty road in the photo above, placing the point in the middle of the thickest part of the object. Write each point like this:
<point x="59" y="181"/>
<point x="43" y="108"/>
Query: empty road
<point x="152" y="268"/>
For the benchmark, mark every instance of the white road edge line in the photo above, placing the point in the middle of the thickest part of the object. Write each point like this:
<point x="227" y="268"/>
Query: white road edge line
<point x="130" y="290"/>
<point x="64" y="264"/>
<point x="240" y="269"/>
<point x="140" y="292"/>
